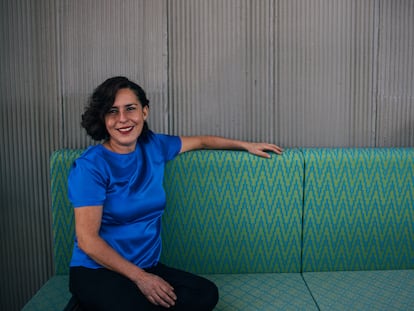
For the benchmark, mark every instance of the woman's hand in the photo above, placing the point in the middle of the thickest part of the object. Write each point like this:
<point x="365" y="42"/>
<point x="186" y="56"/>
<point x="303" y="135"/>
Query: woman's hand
<point x="156" y="290"/>
<point x="260" y="148"/>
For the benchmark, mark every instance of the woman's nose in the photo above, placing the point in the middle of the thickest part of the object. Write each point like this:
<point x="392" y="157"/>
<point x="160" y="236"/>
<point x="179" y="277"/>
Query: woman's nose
<point x="122" y="116"/>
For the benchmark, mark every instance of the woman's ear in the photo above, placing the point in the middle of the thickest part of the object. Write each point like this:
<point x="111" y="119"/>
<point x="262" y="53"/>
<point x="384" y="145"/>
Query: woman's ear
<point x="145" y="111"/>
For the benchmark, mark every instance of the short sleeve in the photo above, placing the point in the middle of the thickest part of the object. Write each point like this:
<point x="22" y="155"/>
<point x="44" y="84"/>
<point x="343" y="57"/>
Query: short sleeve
<point x="86" y="184"/>
<point x="170" y="145"/>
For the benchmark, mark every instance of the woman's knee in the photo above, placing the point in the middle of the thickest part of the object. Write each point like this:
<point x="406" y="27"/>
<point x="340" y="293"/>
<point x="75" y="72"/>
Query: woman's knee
<point x="203" y="296"/>
<point x="211" y="296"/>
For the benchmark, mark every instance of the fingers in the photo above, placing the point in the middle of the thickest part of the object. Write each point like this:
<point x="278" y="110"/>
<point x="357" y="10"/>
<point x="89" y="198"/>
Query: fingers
<point x="276" y="149"/>
<point x="260" y="148"/>
<point x="164" y="298"/>
<point x="261" y="153"/>
<point x="167" y="297"/>
<point x="158" y="291"/>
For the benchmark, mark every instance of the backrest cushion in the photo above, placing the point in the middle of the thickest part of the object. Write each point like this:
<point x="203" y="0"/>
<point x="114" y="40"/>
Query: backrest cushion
<point x="232" y="212"/>
<point x="62" y="211"/>
<point x="358" y="209"/>
<point x="227" y="212"/>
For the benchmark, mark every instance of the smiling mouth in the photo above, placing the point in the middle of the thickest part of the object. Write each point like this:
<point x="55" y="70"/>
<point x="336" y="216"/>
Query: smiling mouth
<point x="125" y="130"/>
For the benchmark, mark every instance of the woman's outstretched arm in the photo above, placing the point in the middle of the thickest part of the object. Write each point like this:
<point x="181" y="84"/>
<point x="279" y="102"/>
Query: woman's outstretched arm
<point x="215" y="142"/>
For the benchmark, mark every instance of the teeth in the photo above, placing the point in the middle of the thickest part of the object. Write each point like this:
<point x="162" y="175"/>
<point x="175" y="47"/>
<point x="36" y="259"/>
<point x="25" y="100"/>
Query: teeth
<point x="125" y="129"/>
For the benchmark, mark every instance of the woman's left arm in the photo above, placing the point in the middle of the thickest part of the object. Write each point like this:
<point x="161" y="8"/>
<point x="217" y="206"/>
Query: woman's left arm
<point x="215" y="142"/>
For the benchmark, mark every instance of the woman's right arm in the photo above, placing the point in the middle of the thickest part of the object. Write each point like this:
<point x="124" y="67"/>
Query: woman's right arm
<point x="87" y="224"/>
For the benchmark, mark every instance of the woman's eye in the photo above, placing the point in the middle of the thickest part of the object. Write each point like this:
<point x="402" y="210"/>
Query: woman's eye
<point x="112" y="111"/>
<point x="130" y="108"/>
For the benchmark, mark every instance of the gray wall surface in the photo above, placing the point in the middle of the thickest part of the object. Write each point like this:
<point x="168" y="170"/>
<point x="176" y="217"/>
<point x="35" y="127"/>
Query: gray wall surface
<point x="299" y="73"/>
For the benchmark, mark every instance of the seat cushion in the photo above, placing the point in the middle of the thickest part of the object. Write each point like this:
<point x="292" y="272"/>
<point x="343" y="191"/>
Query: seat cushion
<point x="262" y="291"/>
<point x="362" y="290"/>
<point x="54" y="295"/>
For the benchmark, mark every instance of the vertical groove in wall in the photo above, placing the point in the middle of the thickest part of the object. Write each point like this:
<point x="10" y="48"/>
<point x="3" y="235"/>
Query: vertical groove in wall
<point x="29" y="118"/>
<point x="396" y="74"/>
<point x="375" y="50"/>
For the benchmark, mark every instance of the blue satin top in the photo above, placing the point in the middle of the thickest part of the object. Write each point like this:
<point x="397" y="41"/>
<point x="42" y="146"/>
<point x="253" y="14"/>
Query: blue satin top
<point x="130" y="189"/>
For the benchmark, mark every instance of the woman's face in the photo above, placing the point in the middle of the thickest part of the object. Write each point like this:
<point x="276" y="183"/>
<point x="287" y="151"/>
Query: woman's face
<point x="124" y="121"/>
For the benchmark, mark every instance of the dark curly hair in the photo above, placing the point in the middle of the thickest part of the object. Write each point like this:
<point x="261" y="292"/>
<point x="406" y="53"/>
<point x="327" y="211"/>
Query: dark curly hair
<point x="102" y="99"/>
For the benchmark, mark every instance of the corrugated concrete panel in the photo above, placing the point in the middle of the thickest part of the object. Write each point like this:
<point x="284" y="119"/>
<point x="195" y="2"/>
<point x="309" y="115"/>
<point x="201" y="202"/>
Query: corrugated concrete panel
<point x="300" y="73"/>
<point x="395" y="119"/>
<point x="325" y="75"/>
<point x="104" y="38"/>
<point x="29" y="117"/>
<point x="221" y="68"/>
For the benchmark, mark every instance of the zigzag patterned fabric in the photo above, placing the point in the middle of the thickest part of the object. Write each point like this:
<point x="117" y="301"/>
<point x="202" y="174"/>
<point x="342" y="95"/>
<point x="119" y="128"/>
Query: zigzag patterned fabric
<point x="232" y="212"/>
<point x="358" y="212"/>
<point x="62" y="211"/>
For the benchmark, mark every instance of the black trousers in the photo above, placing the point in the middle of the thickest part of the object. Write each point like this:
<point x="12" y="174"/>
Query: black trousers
<point x="102" y="289"/>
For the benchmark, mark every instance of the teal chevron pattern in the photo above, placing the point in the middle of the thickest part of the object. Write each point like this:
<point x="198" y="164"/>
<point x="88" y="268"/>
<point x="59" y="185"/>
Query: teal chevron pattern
<point x="262" y="291"/>
<point x="362" y="290"/>
<point x="358" y="209"/>
<point x="62" y="211"/>
<point x="232" y="212"/>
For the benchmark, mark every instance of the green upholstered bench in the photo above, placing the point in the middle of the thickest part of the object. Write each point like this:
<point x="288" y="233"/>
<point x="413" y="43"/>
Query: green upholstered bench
<point x="232" y="217"/>
<point x="327" y="229"/>
<point x="358" y="229"/>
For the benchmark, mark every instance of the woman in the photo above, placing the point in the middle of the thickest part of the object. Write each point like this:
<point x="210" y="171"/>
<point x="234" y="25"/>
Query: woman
<point x="116" y="190"/>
